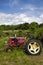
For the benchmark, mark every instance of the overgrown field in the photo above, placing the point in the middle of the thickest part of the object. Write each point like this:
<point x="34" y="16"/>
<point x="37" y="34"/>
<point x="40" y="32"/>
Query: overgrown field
<point x="17" y="56"/>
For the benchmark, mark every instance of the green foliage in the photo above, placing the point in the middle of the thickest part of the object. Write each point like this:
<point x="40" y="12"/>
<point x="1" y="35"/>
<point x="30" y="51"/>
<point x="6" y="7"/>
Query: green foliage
<point x="34" y="26"/>
<point x="25" y="26"/>
<point x="41" y="25"/>
<point x="19" y="57"/>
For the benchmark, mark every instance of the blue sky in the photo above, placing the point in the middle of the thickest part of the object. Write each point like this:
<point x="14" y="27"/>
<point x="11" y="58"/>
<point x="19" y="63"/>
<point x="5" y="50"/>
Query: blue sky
<point x="21" y="11"/>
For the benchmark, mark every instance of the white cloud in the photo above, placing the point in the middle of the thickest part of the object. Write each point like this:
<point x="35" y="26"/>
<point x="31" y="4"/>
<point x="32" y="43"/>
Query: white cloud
<point x="29" y="7"/>
<point x="14" y="19"/>
<point x="41" y="16"/>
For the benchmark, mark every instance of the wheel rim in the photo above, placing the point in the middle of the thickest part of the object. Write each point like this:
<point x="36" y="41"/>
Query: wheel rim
<point x="34" y="47"/>
<point x="9" y="50"/>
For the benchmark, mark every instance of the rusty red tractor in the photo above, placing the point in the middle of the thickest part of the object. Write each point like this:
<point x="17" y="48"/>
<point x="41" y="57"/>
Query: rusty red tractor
<point x="31" y="45"/>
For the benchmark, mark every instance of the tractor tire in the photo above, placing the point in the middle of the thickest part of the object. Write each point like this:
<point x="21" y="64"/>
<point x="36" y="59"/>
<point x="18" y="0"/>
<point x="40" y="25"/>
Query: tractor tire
<point x="9" y="49"/>
<point x="33" y="47"/>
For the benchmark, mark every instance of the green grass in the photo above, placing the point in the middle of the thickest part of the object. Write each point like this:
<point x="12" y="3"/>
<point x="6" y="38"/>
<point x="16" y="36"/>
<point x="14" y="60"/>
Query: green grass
<point x="19" y="57"/>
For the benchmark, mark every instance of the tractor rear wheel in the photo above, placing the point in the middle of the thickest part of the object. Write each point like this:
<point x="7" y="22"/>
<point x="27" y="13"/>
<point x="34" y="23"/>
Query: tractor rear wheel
<point x="33" y="47"/>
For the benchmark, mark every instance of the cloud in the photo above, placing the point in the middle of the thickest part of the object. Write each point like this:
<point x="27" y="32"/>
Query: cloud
<point x="29" y="7"/>
<point x="41" y="16"/>
<point x="9" y="19"/>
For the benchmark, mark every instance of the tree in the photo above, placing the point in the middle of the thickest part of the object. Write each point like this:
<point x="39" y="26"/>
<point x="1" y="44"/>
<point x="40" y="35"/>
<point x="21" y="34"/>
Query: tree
<point x="34" y="26"/>
<point x="23" y="26"/>
<point x="41" y="25"/>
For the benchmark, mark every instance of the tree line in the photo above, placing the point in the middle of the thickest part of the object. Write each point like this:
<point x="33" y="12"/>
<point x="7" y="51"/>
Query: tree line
<point x="24" y="26"/>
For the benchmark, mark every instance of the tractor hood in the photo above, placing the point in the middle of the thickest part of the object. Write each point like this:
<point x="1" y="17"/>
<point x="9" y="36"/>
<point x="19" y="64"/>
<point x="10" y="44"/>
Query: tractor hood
<point x="19" y="39"/>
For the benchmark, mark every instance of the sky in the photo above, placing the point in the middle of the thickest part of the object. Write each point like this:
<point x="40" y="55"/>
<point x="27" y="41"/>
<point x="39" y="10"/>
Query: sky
<point x="13" y="12"/>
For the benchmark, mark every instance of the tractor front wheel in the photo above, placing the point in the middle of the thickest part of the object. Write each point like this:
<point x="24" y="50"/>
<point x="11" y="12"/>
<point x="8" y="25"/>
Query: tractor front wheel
<point x="33" y="47"/>
<point x="9" y="49"/>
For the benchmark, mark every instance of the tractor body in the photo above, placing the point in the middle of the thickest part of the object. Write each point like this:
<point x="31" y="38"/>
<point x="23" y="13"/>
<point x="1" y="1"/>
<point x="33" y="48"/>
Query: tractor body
<point x="16" y="41"/>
